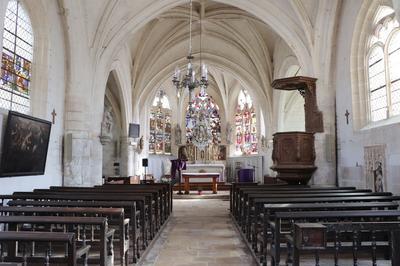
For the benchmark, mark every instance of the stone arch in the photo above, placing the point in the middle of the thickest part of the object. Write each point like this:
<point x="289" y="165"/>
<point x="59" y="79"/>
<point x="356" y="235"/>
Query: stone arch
<point x="358" y="68"/>
<point x="122" y="79"/>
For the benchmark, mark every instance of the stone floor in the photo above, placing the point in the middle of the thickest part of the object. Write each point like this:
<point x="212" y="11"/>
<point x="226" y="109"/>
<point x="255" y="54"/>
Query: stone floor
<point x="200" y="232"/>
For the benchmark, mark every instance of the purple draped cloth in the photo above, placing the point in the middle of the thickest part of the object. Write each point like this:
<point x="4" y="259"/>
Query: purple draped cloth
<point x="177" y="165"/>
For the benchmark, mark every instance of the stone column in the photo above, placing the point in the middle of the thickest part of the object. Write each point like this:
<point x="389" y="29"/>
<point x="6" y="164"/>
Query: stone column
<point x="82" y="159"/>
<point x="127" y="156"/>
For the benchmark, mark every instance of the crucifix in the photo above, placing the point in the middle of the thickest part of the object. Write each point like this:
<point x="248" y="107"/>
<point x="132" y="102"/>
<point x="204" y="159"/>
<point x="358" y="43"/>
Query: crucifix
<point x="347" y="116"/>
<point x="53" y="114"/>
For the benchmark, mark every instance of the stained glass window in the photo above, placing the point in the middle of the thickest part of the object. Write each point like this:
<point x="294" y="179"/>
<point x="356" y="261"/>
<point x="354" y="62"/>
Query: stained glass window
<point x="16" y="60"/>
<point x="246" y="125"/>
<point x="204" y="103"/>
<point x="160" y="125"/>
<point x="383" y="61"/>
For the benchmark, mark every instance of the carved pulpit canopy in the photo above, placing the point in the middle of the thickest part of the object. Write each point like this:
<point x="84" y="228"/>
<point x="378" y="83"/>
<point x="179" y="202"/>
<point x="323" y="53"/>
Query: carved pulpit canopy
<point x="307" y="88"/>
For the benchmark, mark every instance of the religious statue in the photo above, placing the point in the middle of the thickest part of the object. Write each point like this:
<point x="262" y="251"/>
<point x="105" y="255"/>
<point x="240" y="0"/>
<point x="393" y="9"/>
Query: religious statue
<point x="182" y="153"/>
<point x="178" y="134"/>
<point x="264" y="144"/>
<point x="378" y="178"/>
<point x="229" y="130"/>
<point x="140" y="145"/>
<point x="107" y="123"/>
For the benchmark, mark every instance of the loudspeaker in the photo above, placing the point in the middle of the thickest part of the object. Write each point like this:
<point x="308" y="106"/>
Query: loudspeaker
<point x="134" y="130"/>
<point x="145" y="162"/>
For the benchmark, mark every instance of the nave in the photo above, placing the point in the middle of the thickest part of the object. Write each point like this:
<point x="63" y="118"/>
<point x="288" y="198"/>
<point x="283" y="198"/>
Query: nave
<point x="200" y="232"/>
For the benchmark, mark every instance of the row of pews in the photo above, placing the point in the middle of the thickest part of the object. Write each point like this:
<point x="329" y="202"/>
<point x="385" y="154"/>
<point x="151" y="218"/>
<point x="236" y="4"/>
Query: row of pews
<point x="335" y="221"/>
<point x="102" y="225"/>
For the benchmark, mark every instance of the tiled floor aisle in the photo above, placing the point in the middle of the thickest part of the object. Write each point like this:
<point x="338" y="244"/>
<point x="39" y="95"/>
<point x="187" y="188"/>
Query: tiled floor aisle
<point x="201" y="233"/>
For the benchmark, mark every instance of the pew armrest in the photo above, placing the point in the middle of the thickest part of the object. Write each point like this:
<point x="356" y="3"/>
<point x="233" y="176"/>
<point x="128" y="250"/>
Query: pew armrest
<point x="272" y="225"/>
<point x="110" y="233"/>
<point x="83" y="252"/>
<point x="109" y="240"/>
<point x="126" y="226"/>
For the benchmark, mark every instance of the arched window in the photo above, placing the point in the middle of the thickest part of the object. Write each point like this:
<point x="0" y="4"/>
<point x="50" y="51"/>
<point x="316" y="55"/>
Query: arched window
<point x="246" y="125"/>
<point x="383" y="66"/>
<point x="16" y="60"/>
<point x="204" y="103"/>
<point x="160" y="125"/>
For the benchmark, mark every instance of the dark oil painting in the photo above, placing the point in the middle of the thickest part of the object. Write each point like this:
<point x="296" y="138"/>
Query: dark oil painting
<point x="25" y="145"/>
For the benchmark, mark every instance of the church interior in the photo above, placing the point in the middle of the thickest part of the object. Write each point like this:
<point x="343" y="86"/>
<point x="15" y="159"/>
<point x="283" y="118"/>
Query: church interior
<point x="199" y="132"/>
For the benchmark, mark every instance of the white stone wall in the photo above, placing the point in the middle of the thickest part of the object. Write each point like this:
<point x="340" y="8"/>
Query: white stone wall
<point x="351" y="140"/>
<point x="47" y="91"/>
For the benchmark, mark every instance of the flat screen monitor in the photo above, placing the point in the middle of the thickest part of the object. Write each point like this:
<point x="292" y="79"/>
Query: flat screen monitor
<point x="134" y="130"/>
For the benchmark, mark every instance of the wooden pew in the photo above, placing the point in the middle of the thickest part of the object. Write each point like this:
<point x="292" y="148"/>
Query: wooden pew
<point x="72" y="252"/>
<point x="237" y="194"/>
<point x="130" y="204"/>
<point x="143" y="201"/>
<point x="251" y="199"/>
<point x="149" y="222"/>
<point x="106" y="235"/>
<point x="163" y="194"/>
<point x="148" y="210"/>
<point x="305" y="198"/>
<point x="243" y="195"/>
<point x="393" y="228"/>
<point x="269" y="210"/>
<point x="309" y="216"/>
<point x="157" y="196"/>
<point x="236" y="187"/>
<point x="114" y="215"/>
<point x="167" y="188"/>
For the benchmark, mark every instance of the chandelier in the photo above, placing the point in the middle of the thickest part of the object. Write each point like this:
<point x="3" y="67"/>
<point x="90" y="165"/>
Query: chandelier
<point x="189" y="80"/>
<point x="198" y="117"/>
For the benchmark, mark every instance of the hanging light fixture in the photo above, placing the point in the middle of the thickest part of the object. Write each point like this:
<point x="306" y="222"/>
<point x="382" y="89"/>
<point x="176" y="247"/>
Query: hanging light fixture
<point x="189" y="80"/>
<point x="198" y="119"/>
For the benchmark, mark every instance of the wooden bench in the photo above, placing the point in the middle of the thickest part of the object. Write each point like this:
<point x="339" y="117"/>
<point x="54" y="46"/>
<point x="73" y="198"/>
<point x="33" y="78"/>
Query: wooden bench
<point x="310" y="216"/>
<point x="143" y="201"/>
<point x="72" y="252"/>
<point x="269" y="210"/>
<point x="129" y="207"/>
<point x="157" y="196"/>
<point x="254" y="199"/>
<point x="105" y="235"/>
<point x="237" y="187"/>
<point x="115" y="216"/>
<point x="257" y="201"/>
<point x="130" y="204"/>
<point x="239" y="193"/>
<point x="167" y="188"/>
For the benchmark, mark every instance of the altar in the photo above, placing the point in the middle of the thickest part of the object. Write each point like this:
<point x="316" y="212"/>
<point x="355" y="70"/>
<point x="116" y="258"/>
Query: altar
<point x="206" y="168"/>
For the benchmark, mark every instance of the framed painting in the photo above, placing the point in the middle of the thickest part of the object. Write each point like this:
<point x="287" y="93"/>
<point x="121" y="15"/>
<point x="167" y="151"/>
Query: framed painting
<point x="25" y="145"/>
